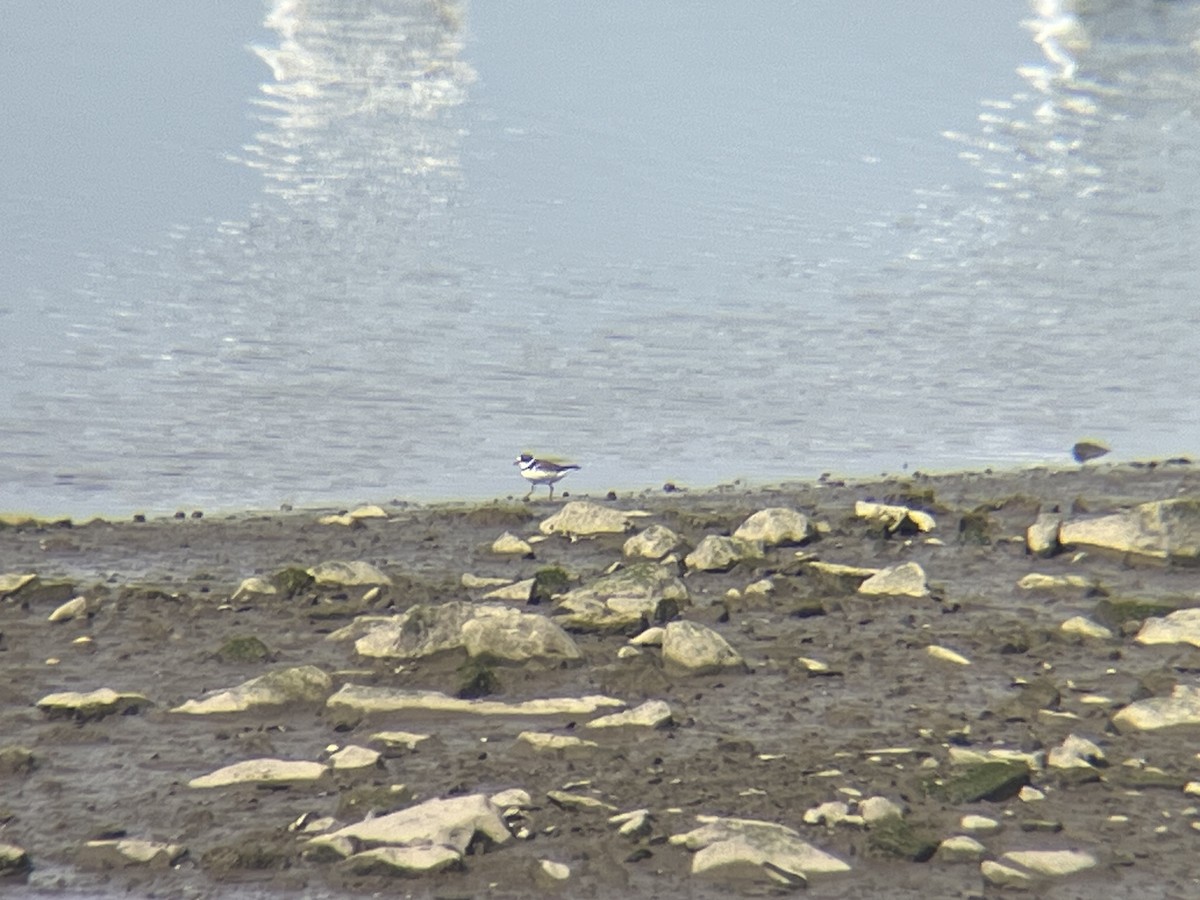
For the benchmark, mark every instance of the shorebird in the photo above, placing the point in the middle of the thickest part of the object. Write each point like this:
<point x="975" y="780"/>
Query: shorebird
<point x="542" y="471"/>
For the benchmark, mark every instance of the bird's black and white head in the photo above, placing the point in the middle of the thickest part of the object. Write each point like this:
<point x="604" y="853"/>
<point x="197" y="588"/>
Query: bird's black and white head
<point x="525" y="460"/>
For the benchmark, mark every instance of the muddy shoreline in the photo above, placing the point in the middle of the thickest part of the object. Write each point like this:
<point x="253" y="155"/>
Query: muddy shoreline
<point x="838" y="699"/>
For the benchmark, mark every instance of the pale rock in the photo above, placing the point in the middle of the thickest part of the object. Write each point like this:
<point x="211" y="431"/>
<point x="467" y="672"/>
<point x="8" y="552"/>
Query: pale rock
<point x="717" y="553"/>
<point x="1036" y="581"/>
<point x="879" y="809"/>
<point x="1179" y="627"/>
<point x="1050" y="863"/>
<point x="774" y="526"/>
<point x="554" y="871"/>
<point x="979" y="824"/>
<point x="281" y="687"/>
<point x="413" y="860"/>
<point x="541" y="740"/>
<point x="634" y="824"/>
<point x="568" y="800"/>
<point x="651" y="637"/>
<point x="1075" y="753"/>
<point x="581" y="518"/>
<point x="508" y="635"/>
<point x="1082" y="626"/>
<point x="1000" y="875"/>
<point x="261" y="771"/>
<point x="1029" y="794"/>
<point x="628" y="652"/>
<point x="840" y="575"/>
<point x="738" y="860"/>
<point x="479" y="582"/>
<point x="947" y="655"/>
<point x="960" y="849"/>
<point x="1181" y="708"/>
<point x="1035" y="760"/>
<point x="370" y="511"/>
<point x="79" y="606"/>
<point x="690" y="648"/>
<point x="453" y="822"/>
<point x="904" y="580"/>
<point x="343" y="519"/>
<point x="518" y="591"/>
<point x="488" y="631"/>
<point x="393" y="740"/>
<point x="829" y="814"/>
<point x="252" y="587"/>
<point x="623" y="600"/>
<point x="1161" y="530"/>
<point x="348" y="574"/>
<point x="13" y="860"/>
<point x="93" y="704"/>
<point x="12" y="582"/>
<point x="813" y="666"/>
<point x="651" y="714"/>
<point x="513" y="798"/>
<point x="372" y="699"/>
<point x="655" y="542"/>
<point x="1041" y="538"/>
<point x="354" y="757"/>
<point x="895" y="518"/>
<point x="760" y="588"/>
<point x="750" y="848"/>
<point x="120" y="854"/>
<point x="508" y="544"/>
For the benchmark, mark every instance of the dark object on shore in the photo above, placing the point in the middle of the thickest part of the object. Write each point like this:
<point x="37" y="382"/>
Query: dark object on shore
<point x="1086" y="450"/>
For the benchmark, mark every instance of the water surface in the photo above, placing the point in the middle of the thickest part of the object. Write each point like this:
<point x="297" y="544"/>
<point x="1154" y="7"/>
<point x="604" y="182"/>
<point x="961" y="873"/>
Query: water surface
<point x="328" y="251"/>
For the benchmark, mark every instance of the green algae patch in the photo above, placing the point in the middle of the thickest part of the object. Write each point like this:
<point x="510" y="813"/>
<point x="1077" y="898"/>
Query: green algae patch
<point x="981" y="781"/>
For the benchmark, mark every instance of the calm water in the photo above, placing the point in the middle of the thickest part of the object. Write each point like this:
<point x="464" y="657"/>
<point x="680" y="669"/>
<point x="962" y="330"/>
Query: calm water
<point x="343" y="250"/>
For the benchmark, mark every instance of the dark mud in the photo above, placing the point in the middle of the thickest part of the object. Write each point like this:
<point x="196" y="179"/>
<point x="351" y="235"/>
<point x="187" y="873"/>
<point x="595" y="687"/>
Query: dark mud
<point x="769" y="743"/>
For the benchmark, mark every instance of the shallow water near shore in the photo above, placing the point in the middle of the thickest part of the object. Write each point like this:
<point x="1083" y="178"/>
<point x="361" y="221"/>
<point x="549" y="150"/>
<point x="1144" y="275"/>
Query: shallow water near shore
<point x="397" y="244"/>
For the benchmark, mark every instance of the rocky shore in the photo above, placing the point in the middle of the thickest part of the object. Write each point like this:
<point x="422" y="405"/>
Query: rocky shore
<point x="953" y="686"/>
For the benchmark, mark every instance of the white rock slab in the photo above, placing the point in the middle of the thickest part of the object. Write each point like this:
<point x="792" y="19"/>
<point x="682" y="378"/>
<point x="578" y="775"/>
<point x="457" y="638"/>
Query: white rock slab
<point x="690" y="648"/>
<point x="92" y="704"/>
<point x="301" y="684"/>
<point x="348" y="573"/>
<point x="651" y="714"/>
<point x="1181" y="708"/>
<point x="904" y="580"/>
<point x="755" y="848"/>
<point x="774" y="526"/>
<point x="1179" y="627"/>
<point x="372" y="699"/>
<point x="452" y="822"/>
<point x="261" y="771"/>
<point x="581" y="518"/>
<point x="354" y="757"/>
<point x="655" y="542"/>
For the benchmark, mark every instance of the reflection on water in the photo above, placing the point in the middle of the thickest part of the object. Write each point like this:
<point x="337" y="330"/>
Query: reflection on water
<point x="571" y="231"/>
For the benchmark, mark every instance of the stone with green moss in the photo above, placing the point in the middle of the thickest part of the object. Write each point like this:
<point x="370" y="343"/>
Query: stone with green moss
<point x="547" y="583"/>
<point x="243" y="648"/>
<point x="292" y="580"/>
<point x="982" y="781"/>
<point x="476" y="679"/>
<point x="1116" y="611"/>
<point x="901" y="839"/>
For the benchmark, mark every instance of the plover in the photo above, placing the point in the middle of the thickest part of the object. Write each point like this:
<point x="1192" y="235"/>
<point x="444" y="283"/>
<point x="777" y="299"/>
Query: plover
<point x="542" y="471"/>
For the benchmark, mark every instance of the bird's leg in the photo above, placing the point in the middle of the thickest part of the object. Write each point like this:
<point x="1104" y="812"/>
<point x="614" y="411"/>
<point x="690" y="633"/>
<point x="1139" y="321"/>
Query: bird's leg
<point x="552" y="490"/>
